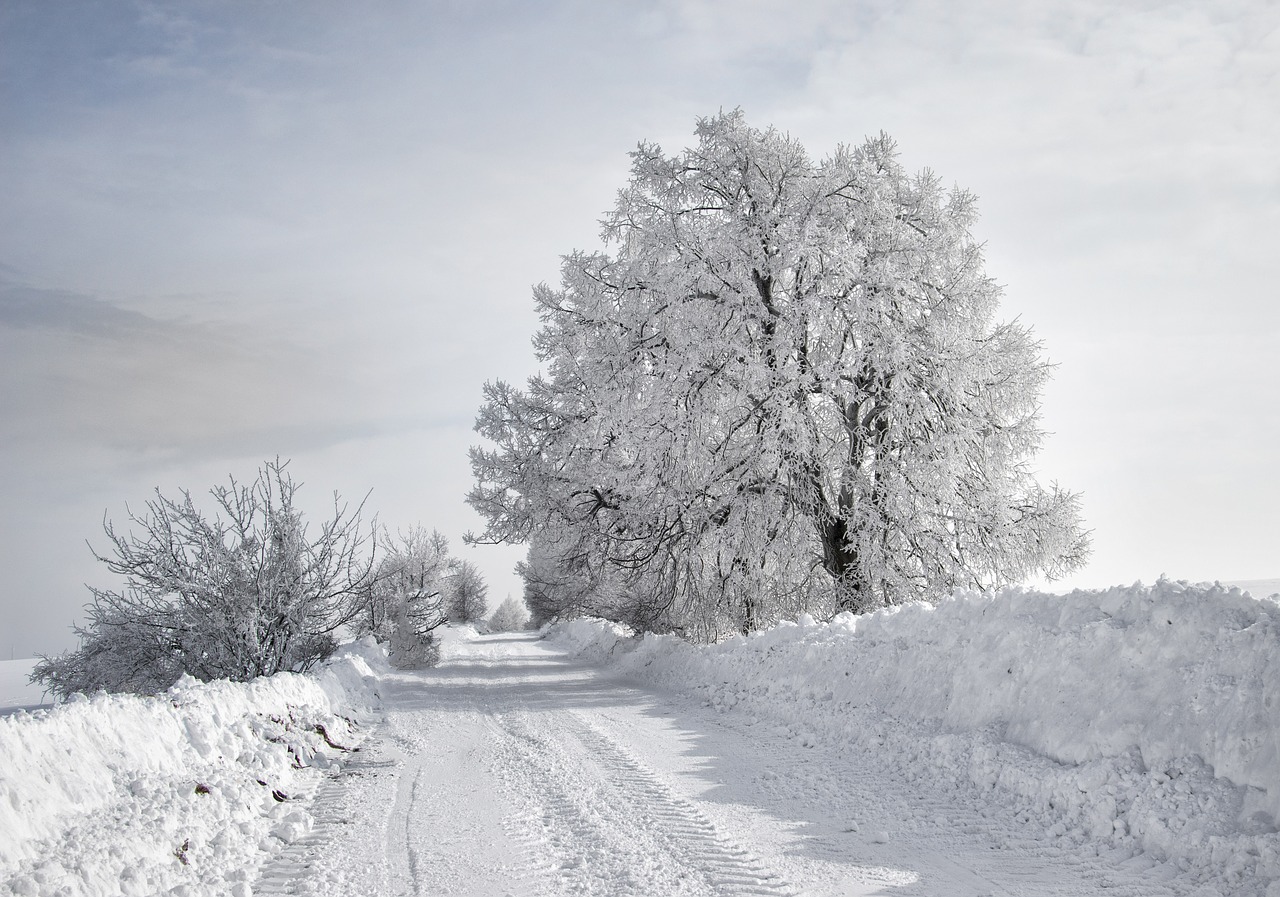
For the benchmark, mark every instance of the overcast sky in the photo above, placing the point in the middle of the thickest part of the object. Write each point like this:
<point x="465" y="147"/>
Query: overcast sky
<point x="236" y="230"/>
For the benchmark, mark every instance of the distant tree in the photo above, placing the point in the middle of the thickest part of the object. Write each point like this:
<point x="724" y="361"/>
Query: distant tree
<point x="511" y="616"/>
<point x="247" y="592"/>
<point x="564" y="579"/>
<point x="468" y="594"/>
<point x="553" y="589"/>
<point x="786" y="390"/>
<point x="409" y="596"/>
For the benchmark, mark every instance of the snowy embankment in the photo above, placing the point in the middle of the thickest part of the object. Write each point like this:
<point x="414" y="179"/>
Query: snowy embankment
<point x="187" y="793"/>
<point x="1142" y="720"/>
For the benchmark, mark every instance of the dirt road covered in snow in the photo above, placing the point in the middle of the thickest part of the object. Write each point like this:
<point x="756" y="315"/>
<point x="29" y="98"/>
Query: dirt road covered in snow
<point x="511" y="769"/>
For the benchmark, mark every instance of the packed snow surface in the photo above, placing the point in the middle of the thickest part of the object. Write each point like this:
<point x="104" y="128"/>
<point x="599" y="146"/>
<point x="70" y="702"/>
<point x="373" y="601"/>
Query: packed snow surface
<point x="513" y="769"/>
<point x="1121" y="742"/>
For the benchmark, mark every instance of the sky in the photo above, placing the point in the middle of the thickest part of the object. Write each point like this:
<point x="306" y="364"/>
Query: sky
<point x="235" y="231"/>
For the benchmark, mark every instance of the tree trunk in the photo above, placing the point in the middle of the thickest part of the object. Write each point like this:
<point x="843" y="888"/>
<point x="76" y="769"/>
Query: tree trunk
<point x="841" y="559"/>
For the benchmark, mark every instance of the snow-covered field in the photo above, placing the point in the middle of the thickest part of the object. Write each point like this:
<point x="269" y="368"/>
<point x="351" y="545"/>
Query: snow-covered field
<point x="1258" y="588"/>
<point x="1123" y="742"/>
<point x="16" y="690"/>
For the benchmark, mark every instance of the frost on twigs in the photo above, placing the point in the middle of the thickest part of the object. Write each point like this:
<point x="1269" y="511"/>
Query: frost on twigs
<point x="783" y="388"/>
<point x="246" y="592"/>
<point x="419" y="587"/>
<point x="407" y="600"/>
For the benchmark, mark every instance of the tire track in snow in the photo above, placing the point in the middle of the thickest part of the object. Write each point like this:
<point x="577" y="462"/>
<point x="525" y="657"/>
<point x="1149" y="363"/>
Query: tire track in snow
<point x="608" y="825"/>
<point x="289" y="871"/>
<point x="402" y="858"/>
<point x="538" y="778"/>
<point x="867" y="825"/>
<point x="730" y="867"/>
<point x="444" y="833"/>
<point x="281" y="874"/>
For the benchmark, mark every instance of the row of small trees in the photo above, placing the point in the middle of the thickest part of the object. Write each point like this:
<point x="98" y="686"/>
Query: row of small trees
<point x="784" y="389"/>
<point x="251" y="591"/>
<point x="417" y="588"/>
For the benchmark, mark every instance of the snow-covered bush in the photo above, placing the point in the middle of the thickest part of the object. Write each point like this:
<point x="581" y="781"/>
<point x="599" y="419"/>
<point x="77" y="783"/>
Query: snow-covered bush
<point x="407" y="600"/>
<point x="562" y="583"/>
<point x="419" y="587"/>
<point x="241" y="594"/>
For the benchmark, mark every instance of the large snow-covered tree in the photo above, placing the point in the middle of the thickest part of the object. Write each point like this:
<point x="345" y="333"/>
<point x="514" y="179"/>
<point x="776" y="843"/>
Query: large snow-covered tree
<point x="245" y="592"/>
<point x="783" y="367"/>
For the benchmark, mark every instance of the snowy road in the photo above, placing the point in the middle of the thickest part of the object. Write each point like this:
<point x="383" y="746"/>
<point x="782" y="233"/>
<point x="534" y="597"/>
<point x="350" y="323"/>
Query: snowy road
<point x="512" y="770"/>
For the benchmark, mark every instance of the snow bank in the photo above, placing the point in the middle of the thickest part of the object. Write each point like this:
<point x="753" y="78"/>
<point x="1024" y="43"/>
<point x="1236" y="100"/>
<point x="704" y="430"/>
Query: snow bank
<point x="1145" y="718"/>
<point x="183" y="793"/>
<point x="599" y="640"/>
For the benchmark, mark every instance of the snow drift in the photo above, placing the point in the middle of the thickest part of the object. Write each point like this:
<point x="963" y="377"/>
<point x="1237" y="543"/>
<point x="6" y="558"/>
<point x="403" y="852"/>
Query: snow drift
<point x="185" y="792"/>
<point x="1144" y="717"/>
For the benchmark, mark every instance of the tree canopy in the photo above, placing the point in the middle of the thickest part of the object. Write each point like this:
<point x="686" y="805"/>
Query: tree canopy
<point x="783" y="388"/>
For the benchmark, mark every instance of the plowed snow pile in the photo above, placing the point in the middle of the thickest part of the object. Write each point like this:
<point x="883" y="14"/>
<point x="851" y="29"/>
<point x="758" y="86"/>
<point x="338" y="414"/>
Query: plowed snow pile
<point x="1145" y="720"/>
<point x="183" y="793"/>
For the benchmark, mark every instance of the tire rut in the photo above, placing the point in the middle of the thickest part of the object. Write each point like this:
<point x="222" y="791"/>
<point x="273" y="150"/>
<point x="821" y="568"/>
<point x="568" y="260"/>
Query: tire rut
<point x="612" y="826"/>
<point x="727" y="862"/>
<point x="288" y="871"/>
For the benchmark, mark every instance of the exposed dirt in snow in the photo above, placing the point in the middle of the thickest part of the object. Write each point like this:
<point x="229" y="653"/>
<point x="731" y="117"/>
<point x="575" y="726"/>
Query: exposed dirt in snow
<point x="512" y="770"/>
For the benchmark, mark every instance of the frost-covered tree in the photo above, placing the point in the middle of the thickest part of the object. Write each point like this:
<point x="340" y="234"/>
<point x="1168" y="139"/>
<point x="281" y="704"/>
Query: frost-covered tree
<point x="511" y="616"/>
<point x="566" y="578"/>
<point x="246" y="592"/>
<point x="468" y="594"/>
<point x="785" y="387"/>
<point x="554" y="587"/>
<point x="409" y="596"/>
